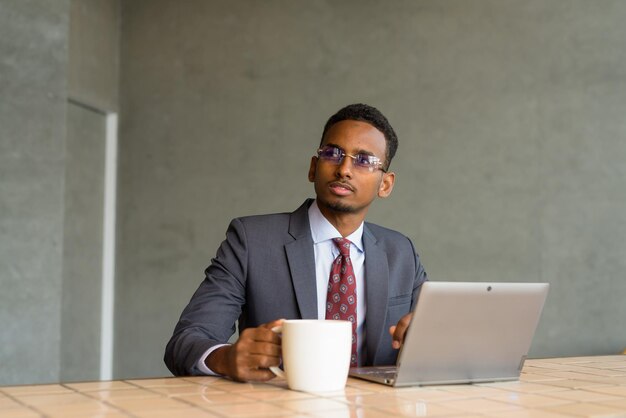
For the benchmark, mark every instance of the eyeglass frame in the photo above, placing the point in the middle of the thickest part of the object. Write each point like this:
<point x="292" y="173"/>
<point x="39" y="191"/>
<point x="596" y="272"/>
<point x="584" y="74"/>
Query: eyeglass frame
<point x="378" y="165"/>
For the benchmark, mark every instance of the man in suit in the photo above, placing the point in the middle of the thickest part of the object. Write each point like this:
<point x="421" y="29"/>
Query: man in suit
<point x="274" y="267"/>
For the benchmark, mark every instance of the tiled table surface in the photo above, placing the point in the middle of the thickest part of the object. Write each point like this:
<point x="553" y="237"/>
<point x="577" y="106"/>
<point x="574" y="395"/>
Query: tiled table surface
<point x="550" y="388"/>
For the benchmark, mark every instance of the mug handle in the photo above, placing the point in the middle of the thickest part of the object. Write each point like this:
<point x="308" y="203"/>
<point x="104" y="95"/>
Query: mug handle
<point x="276" y="370"/>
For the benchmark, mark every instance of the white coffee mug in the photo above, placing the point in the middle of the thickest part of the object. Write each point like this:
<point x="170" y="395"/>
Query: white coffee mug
<point x="316" y="354"/>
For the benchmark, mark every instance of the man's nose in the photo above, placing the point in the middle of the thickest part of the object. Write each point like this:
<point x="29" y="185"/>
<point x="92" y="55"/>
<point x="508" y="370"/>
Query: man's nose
<point x="345" y="167"/>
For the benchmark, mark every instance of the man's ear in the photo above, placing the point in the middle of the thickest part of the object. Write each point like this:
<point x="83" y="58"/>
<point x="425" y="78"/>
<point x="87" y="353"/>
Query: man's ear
<point x="386" y="184"/>
<point x="312" y="169"/>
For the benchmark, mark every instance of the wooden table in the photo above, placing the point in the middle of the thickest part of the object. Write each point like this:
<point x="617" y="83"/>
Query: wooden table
<point x="581" y="386"/>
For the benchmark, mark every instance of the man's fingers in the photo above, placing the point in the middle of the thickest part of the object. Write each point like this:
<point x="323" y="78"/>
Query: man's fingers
<point x="397" y="332"/>
<point x="264" y="348"/>
<point x="257" y="375"/>
<point x="273" y="324"/>
<point x="264" y="332"/>
<point x="249" y="358"/>
<point x="255" y="367"/>
<point x="248" y="364"/>
<point x="255" y="351"/>
<point x="261" y="334"/>
<point x="263" y="362"/>
<point x="395" y="343"/>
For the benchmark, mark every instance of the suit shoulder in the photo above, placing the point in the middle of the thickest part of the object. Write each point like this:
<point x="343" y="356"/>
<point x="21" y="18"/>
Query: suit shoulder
<point x="265" y="218"/>
<point x="382" y="232"/>
<point x="287" y="224"/>
<point x="388" y="237"/>
<point x="266" y="223"/>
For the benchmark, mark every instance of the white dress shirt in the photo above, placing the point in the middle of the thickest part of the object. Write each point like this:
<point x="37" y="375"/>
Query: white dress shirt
<point x="325" y="252"/>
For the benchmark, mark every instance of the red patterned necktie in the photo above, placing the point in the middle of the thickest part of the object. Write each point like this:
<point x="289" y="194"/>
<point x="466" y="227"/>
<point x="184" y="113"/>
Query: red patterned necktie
<point x="341" y="297"/>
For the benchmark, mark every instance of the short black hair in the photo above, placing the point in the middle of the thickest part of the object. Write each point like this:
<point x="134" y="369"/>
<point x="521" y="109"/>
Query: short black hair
<point x="368" y="114"/>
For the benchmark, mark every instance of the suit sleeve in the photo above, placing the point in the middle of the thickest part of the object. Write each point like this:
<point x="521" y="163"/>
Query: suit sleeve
<point x="209" y="318"/>
<point x="420" y="278"/>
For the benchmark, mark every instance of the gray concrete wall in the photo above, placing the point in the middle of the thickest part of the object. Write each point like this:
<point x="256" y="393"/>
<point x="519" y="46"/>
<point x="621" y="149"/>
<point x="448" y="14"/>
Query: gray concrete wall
<point x="33" y="63"/>
<point x="82" y="245"/>
<point x="510" y="117"/>
<point x="92" y="76"/>
<point x="50" y="188"/>
<point x="93" y="73"/>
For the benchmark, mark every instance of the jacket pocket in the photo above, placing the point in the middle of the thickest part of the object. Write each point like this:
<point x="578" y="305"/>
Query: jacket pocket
<point x="400" y="300"/>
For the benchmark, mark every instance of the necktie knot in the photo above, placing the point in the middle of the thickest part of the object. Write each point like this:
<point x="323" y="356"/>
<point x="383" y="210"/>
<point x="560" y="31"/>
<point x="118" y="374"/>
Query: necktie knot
<point x="343" y="245"/>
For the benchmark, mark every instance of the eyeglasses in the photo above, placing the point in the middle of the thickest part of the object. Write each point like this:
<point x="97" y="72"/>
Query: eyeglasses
<point x="335" y="155"/>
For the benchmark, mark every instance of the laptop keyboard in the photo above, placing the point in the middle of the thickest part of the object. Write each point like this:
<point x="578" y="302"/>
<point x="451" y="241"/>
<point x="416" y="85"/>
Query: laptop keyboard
<point x="378" y="371"/>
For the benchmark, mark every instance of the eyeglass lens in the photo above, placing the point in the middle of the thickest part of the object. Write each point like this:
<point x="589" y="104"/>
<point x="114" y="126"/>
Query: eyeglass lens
<point x="336" y="155"/>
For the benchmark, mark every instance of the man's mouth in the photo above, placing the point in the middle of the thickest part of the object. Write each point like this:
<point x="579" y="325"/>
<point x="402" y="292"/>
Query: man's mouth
<point x="341" y="189"/>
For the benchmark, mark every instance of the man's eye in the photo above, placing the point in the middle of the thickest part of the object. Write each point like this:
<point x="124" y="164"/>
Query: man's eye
<point x="330" y="153"/>
<point x="364" y="159"/>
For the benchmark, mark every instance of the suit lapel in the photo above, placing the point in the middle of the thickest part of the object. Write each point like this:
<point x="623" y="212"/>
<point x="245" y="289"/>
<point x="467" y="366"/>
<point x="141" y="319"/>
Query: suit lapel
<point x="377" y="290"/>
<point x="301" y="260"/>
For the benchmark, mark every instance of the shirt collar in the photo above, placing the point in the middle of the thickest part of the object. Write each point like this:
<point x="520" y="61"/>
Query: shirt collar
<point x="322" y="230"/>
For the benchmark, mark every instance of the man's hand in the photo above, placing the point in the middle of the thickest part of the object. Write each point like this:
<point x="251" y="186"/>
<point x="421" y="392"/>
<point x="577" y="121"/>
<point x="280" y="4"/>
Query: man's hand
<point x="398" y="331"/>
<point x="249" y="358"/>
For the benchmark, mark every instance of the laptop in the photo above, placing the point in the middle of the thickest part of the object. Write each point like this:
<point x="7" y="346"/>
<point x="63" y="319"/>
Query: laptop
<point x="465" y="333"/>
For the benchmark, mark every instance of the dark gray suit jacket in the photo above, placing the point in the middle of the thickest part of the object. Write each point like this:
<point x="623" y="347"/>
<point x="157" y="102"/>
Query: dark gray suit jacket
<point x="265" y="270"/>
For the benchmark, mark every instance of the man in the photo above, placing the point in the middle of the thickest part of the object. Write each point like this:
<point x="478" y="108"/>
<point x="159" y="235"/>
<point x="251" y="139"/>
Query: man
<point x="274" y="267"/>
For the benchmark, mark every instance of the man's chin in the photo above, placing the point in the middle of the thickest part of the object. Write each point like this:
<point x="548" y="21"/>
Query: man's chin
<point x="340" y="207"/>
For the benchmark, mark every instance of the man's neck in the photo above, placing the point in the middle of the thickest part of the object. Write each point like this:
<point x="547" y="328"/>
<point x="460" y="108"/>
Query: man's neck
<point x="345" y="222"/>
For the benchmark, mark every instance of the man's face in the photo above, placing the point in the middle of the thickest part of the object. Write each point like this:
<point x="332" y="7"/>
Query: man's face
<point x="344" y="187"/>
